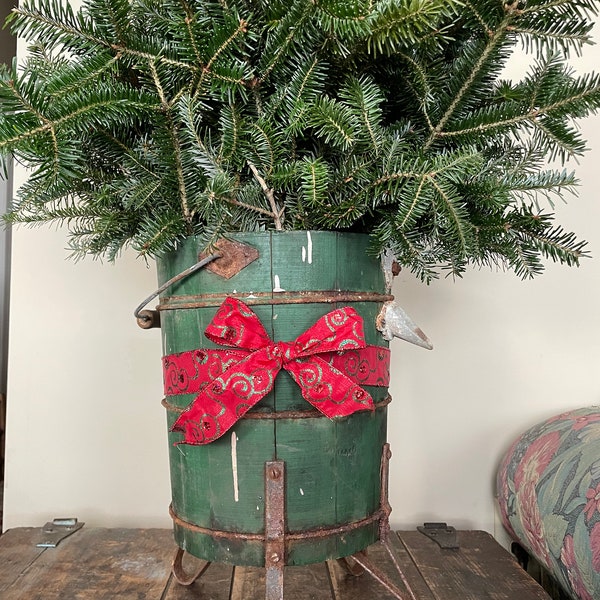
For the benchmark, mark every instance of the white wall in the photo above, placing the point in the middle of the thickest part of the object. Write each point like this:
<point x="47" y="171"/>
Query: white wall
<point x="86" y="433"/>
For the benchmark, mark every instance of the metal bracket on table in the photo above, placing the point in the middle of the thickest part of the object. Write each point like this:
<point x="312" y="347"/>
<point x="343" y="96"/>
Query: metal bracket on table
<point x="57" y="530"/>
<point x="443" y="535"/>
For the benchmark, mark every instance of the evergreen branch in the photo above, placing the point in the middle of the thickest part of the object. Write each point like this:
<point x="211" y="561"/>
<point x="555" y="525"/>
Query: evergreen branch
<point x="315" y="178"/>
<point x="414" y="203"/>
<point x="189" y="19"/>
<point x="119" y="16"/>
<point x="527" y="264"/>
<point x="230" y="128"/>
<point x="363" y="97"/>
<point x="559" y="245"/>
<point x="568" y="147"/>
<point x="333" y="122"/>
<point x="270" y="151"/>
<point x="590" y="95"/>
<point x="247" y="206"/>
<point x="24" y="18"/>
<point x="149" y="120"/>
<point x="82" y="77"/>
<point x="535" y="7"/>
<point x="268" y="192"/>
<point x="578" y="38"/>
<point x="479" y="17"/>
<point x="241" y="29"/>
<point x="188" y="112"/>
<point x="421" y="98"/>
<point x="183" y="197"/>
<point x="399" y="25"/>
<point x="456" y="218"/>
<point x="282" y="47"/>
<point x="491" y="45"/>
<point x="48" y="125"/>
<point x="130" y="154"/>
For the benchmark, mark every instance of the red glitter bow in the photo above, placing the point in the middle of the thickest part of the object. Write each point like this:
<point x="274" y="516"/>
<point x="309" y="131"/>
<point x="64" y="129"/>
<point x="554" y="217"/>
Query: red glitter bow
<point x="229" y="395"/>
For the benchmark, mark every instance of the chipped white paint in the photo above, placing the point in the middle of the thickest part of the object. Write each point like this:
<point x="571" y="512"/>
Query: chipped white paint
<point x="257" y="507"/>
<point x="301" y="492"/>
<point x="234" y="467"/>
<point x="307" y="251"/>
<point x="251" y="295"/>
<point x="275" y="316"/>
<point x="277" y="284"/>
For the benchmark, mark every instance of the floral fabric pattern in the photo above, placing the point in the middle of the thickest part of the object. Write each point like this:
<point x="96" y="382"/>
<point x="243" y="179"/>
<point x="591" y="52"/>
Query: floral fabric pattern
<point x="548" y="489"/>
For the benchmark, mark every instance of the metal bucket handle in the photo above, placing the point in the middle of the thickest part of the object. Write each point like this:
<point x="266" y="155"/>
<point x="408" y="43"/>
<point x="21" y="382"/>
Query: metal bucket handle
<point x="148" y="319"/>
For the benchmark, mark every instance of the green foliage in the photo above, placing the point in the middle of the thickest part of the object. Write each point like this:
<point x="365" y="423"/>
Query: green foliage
<point x="144" y="121"/>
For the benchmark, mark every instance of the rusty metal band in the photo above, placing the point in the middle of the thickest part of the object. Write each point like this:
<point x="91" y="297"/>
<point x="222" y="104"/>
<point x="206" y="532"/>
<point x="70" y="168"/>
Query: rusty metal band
<point x="260" y="537"/>
<point x="259" y="298"/>
<point x="283" y="414"/>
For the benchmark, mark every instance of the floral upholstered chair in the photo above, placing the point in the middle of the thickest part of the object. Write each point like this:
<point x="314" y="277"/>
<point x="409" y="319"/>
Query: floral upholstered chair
<point x="549" y="496"/>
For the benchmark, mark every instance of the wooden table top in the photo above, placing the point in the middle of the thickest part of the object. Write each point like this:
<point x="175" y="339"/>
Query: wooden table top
<point x="135" y="564"/>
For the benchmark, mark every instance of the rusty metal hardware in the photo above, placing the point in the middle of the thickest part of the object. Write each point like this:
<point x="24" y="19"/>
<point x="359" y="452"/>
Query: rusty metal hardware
<point x="57" y="530"/>
<point x="148" y="319"/>
<point x="443" y="535"/>
<point x="274" y="529"/>
<point x="235" y="256"/>
<point x="267" y="298"/>
<point x="386" y="509"/>
<point x="179" y="572"/>
<point x="236" y="536"/>
<point x="276" y="536"/>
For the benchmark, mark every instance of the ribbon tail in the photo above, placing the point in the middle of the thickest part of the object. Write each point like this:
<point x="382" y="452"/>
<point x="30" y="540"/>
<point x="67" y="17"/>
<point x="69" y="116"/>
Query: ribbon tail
<point x="327" y="389"/>
<point x="226" y="399"/>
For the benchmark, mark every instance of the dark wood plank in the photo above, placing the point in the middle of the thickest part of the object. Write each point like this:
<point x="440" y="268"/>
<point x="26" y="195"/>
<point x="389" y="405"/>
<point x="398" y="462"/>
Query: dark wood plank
<point x="97" y="563"/>
<point x="17" y="553"/>
<point x="309" y="582"/>
<point x="135" y="564"/>
<point x="480" y="569"/>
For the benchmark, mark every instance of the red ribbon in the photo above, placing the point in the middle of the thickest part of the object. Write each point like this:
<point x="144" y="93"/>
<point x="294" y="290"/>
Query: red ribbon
<point x="245" y="380"/>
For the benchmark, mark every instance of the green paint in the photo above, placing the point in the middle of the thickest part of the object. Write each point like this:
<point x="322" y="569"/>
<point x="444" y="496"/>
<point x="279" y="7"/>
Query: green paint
<point x="332" y="466"/>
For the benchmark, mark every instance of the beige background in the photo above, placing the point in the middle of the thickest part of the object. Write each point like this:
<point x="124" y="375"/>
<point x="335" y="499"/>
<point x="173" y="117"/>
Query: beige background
<point x="86" y="433"/>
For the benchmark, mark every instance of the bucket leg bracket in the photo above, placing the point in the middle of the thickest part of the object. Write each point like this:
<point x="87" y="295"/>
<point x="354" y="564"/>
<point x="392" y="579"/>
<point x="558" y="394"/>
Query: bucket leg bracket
<point x="179" y="572"/>
<point x="274" y="528"/>
<point x="361" y="558"/>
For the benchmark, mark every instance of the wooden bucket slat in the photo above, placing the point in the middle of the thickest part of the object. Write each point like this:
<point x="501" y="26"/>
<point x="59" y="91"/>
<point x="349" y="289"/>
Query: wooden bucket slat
<point x="220" y="486"/>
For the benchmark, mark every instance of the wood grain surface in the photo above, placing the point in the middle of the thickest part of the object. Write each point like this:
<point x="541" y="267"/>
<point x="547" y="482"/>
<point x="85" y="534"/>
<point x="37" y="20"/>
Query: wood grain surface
<point x="135" y="564"/>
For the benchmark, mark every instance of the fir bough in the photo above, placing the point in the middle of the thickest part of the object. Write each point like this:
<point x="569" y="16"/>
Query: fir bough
<point x="145" y="121"/>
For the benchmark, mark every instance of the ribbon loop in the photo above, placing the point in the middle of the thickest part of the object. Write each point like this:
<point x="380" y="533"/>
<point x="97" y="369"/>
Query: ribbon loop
<point x="229" y="395"/>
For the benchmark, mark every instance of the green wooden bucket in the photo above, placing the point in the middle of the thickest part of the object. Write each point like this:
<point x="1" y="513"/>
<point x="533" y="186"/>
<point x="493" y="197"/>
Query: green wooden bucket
<point x="333" y="504"/>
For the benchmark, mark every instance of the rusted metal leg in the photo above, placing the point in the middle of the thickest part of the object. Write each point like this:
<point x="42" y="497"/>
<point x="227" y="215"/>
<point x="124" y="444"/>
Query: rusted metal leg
<point x="274" y="528"/>
<point x="363" y="560"/>
<point x="386" y="509"/>
<point x="180" y="573"/>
